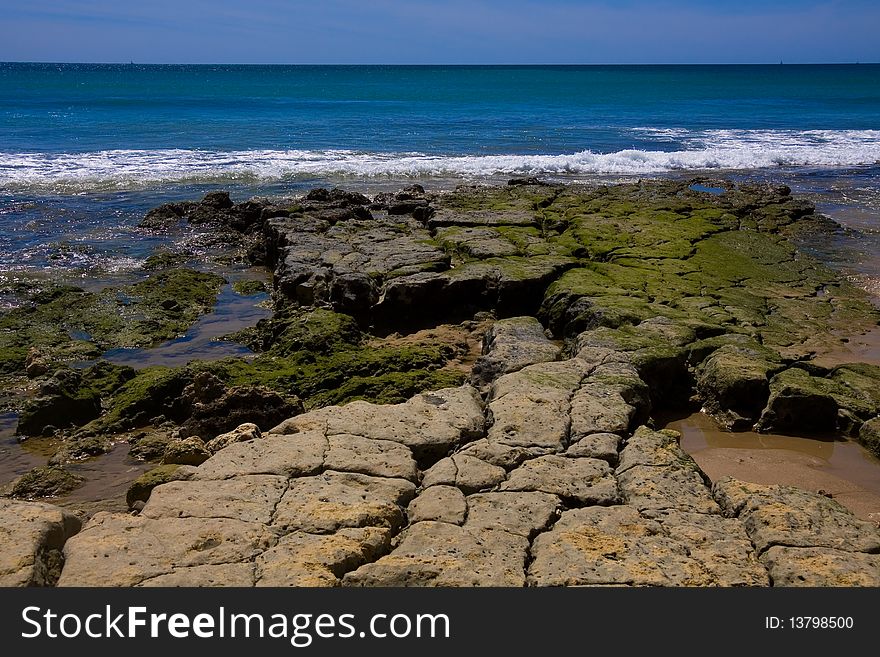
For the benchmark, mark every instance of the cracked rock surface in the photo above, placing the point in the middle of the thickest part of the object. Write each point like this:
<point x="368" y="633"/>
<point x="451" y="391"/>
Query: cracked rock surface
<point x="448" y="490"/>
<point x="543" y="470"/>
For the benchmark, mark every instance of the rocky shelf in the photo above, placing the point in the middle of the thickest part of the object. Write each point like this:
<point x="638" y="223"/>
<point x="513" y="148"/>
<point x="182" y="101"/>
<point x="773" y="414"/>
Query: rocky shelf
<point x="550" y="483"/>
<point x="536" y="465"/>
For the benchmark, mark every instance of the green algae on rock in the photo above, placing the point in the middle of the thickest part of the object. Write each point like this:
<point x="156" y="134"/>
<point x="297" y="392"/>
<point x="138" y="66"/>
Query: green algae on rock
<point x="49" y="481"/>
<point x="71" y="324"/>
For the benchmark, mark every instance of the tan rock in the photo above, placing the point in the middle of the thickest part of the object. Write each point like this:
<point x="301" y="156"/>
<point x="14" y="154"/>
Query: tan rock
<point x="124" y="550"/>
<point x="599" y="408"/>
<point x="288" y="456"/>
<point x="782" y="515"/>
<point x="616" y="545"/>
<point x="189" y="451"/>
<point x="380" y="458"/>
<point x="228" y="574"/>
<point x="250" y="498"/>
<point x="525" y="514"/>
<point x="502" y="455"/>
<point x="671" y="487"/>
<point x="531" y="407"/>
<point x="430" y="424"/>
<point x="654" y="448"/>
<point x="441" y="554"/>
<point x="241" y="434"/>
<point x="335" y="500"/>
<point x="510" y="345"/>
<point x="32" y="535"/>
<point x="440" y="503"/>
<point x="603" y="446"/>
<point x="790" y="566"/>
<point x="302" y="559"/>
<point x="586" y="481"/>
<point x="466" y="472"/>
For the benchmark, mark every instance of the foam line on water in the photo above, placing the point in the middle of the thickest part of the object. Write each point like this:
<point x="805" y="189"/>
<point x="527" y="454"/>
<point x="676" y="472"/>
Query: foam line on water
<point x="712" y="149"/>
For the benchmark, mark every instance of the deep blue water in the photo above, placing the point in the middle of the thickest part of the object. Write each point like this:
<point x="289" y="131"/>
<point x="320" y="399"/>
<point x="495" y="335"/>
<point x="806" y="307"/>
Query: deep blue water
<point x="76" y="127"/>
<point x="85" y="150"/>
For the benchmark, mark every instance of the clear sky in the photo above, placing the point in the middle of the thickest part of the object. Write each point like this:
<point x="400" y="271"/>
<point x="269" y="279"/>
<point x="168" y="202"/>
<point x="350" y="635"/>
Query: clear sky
<point x="440" y="31"/>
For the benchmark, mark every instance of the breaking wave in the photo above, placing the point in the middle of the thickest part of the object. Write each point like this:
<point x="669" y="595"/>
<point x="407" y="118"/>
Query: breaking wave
<point x="705" y="150"/>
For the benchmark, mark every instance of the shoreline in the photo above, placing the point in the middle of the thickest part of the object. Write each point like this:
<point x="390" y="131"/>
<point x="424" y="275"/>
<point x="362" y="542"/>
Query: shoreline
<point x="659" y="294"/>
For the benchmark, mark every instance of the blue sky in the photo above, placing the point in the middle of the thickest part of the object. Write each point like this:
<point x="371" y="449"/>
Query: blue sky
<point x="440" y="31"/>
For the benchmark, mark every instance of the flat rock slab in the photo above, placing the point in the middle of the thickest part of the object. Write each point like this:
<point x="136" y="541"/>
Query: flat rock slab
<point x="440" y="503"/>
<point x="603" y="446"/>
<point x="582" y="480"/>
<point x="124" y="550"/>
<point x="301" y="559"/>
<point x="531" y="408"/>
<point x="448" y="217"/>
<point x="430" y="424"/>
<point x="32" y="535"/>
<point x="441" y="554"/>
<point x="525" y="514"/>
<point x="380" y="458"/>
<point x="599" y="408"/>
<point x="509" y="346"/>
<point x="227" y="574"/>
<point x="654" y="448"/>
<point x="504" y="456"/>
<point x="335" y="500"/>
<point x="821" y="567"/>
<point x="288" y="456"/>
<point x="618" y="546"/>
<point x="251" y="498"/>
<point x="671" y="487"/>
<point x="782" y="515"/>
<point x="468" y="473"/>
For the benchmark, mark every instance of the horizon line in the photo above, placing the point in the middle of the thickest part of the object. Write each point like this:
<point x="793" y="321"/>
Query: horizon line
<point x="426" y="64"/>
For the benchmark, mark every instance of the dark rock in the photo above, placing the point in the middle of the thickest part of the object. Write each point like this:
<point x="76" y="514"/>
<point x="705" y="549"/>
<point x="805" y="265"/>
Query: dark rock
<point x="212" y="409"/>
<point x="164" y="216"/>
<point x="217" y="200"/>
<point x="734" y="383"/>
<point x="407" y="206"/>
<point x="517" y="182"/>
<point x="79" y="448"/>
<point x="353" y="293"/>
<point x="318" y="194"/>
<point x="799" y="402"/>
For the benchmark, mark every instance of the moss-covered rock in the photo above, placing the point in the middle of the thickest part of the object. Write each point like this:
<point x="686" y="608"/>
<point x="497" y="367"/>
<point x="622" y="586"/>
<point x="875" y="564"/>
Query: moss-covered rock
<point x="140" y="489"/>
<point x="189" y="451"/>
<point x="71" y="324"/>
<point x="63" y="401"/>
<point x="869" y="435"/>
<point x="47" y="481"/>
<point x="734" y="382"/>
<point x="149" y="446"/>
<point x="153" y="392"/>
<point x="800" y="402"/>
<point x="249" y="287"/>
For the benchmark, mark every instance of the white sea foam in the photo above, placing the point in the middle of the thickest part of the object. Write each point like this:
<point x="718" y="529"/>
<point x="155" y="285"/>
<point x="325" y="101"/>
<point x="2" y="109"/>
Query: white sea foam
<point x="715" y="149"/>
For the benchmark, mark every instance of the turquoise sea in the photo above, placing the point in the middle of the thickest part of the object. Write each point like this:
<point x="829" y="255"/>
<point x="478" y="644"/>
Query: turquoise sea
<point x="86" y="149"/>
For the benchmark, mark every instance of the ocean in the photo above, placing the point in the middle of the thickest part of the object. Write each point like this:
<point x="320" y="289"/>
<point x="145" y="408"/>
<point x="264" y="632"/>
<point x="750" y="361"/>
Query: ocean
<point x="86" y="149"/>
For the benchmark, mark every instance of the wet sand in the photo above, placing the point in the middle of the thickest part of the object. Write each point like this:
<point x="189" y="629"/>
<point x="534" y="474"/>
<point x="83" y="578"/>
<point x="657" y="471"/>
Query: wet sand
<point x="841" y="468"/>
